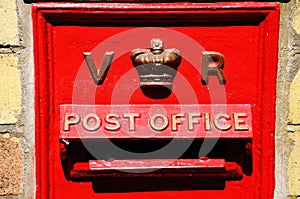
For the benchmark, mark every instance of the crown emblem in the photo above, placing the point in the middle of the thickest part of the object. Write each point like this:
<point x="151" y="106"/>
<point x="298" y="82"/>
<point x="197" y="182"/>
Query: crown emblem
<point x="156" y="66"/>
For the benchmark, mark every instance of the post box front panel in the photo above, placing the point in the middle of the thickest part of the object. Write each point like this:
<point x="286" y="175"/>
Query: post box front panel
<point x="244" y="33"/>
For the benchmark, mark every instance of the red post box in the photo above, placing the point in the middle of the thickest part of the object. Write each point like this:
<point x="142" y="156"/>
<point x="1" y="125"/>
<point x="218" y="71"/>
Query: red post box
<point x="155" y="100"/>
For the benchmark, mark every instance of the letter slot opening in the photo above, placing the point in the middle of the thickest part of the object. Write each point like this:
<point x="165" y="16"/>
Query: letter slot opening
<point x="189" y="142"/>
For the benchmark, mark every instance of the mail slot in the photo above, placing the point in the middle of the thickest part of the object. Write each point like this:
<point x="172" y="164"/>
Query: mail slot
<point x="155" y="99"/>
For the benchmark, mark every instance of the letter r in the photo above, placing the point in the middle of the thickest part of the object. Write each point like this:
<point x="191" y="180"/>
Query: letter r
<point x="212" y="64"/>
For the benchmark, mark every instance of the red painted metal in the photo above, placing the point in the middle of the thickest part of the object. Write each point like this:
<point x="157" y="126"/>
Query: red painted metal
<point x="214" y="169"/>
<point x="141" y="125"/>
<point x="145" y="164"/>
<point x="200" y="168"/>
<point x="245" y="33"/>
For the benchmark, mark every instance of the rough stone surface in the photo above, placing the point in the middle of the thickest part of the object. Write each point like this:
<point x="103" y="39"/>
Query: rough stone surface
<point x="294" y="165"/>
<point x="296" y="20"/>
<point x="8" y="23"/>
<point x="294" y="129"/>
<point x="288" y="66"/>
<point x="10" y="92"/>
<point x="27" y="119"/>
<point x="11" y="165"/>
<point x="294" y="114"/>
<point x="294" y="108"/>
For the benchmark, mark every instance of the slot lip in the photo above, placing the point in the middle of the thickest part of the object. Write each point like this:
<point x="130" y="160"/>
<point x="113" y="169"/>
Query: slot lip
<point x="230" y="172"/>
<point x="144" y="164"/>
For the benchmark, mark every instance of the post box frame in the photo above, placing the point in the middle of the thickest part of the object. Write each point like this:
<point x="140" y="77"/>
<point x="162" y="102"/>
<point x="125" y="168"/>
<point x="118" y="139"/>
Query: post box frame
<point x="45" y="15"/>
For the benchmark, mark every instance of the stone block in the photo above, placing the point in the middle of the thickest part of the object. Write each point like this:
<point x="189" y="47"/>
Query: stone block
<point x="296" y="19"/>
<point x="10" y="90"/>
<point x="11" y="165"/>
<point x="294" y="113"/>
<point x="9" y="32"/>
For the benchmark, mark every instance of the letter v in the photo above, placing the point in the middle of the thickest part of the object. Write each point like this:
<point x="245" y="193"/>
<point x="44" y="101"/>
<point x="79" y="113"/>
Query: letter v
<point x="100" y="74"/>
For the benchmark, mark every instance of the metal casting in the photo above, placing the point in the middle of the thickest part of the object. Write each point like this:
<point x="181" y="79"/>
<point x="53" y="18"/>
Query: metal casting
<point x="213" y="65"/>
<point x="87" y="134"/>
<point x="166" y="121"/>
<point x="158" y="66"/>
<point x="100" y="74"/>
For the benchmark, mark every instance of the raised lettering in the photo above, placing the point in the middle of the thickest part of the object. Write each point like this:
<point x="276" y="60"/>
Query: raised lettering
<point x="89" y="125"/>
<point x="70" y="119"/>
<point x="113" y="123"/>
<point x="207" y="121"/>
<point x="192" y="120"/>
<point x="222" y="126"/>
<point x="154" y="126"/>
<point x="98" y="75"/>
<point x="239" y="122"/>
<point x="176" y="121"/>
<point x="131" y="117"/>
<point x="212" y="64"/>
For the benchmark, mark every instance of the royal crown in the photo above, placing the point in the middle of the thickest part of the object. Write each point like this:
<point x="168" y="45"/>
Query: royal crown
<point x="156" y="66"/>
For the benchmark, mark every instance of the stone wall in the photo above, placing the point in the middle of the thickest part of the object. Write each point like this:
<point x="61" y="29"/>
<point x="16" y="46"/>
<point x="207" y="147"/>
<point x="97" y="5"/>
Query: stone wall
<point x="16" y="101"/>
<point x="17" y="171"/>
<point x="287" y="167"/>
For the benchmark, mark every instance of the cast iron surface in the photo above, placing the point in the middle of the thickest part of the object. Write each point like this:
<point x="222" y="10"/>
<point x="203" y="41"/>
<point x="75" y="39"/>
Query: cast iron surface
<point x="246" y="33"/>
<point x="85" y="1"/>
